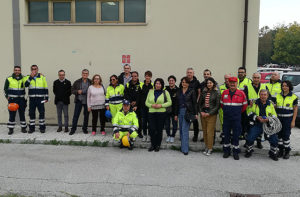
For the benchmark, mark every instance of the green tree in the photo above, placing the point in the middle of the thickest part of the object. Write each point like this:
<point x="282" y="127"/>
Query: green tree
<point x="266" y="45"/>
<point x="287" y="45"/>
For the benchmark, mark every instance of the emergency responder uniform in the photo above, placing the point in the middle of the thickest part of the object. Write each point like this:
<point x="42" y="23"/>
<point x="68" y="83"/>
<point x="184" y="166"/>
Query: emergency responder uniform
<point x="274" y="89"/>
<point x="245" y="82"/>
<point x="14" y="90"/>
<point x="285" y="111"/>
<point x="38" y="94"/>
<point x="233" y="104"/>
<point x="222" y="88"/>
<point x="124" y="123"/>
<point x="133" y="92"/>
<point x="256" y="127"/>
<point x="252" y="94"/>
<point x="113" y="99"/>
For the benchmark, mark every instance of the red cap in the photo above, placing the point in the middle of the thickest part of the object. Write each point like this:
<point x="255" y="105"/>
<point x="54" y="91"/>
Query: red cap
<point x="233" y="79"/>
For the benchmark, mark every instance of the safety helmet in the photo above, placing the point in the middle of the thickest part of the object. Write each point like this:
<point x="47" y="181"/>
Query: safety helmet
<point x="125" y="141"/>
<point x="13" y="106"/>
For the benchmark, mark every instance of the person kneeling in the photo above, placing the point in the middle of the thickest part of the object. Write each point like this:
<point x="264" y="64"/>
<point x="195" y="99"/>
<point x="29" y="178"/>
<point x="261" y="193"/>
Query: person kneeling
<point x="258" y="115"/>
<point x="125" y="125"/>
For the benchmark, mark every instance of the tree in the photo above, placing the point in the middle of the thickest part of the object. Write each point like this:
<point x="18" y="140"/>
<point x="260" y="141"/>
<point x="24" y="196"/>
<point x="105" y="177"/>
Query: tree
<point x="266" y="45"/>
<point x="287" y="45"/>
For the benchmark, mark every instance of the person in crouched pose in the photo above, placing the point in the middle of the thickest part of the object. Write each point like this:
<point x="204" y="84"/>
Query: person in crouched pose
<point x="125" y="125"/>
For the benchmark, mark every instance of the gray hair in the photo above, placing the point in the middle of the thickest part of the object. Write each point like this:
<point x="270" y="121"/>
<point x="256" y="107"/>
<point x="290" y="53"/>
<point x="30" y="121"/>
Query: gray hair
<point x="257" y="73"/>
<point x="85" y="70"/>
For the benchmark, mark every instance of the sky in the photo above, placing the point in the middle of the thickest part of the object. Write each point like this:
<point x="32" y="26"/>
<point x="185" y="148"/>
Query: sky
<point x="273" y="12"/>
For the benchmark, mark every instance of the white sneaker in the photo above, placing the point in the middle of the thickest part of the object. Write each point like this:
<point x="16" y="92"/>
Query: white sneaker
<point x="144" y="138"/>
<point x="205" y="151"/>
<point x="168" y="139"/>
<point x="209" y="151"/>
<point x="172" y="140"/>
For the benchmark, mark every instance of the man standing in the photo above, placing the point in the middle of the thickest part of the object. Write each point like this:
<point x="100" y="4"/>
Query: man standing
<point x="14" y="90"/>
<point x="125" y="76"/>
<point x="243" y="80"/>
<point x="274" y="85"/>
<point x="79" y="89"/>
<point x="62" y="92"/>
<point x="133" y="93"/>
<point x="38" y="95"/>
<point x="195" y="85"/>
<point x="252" y="93"/>
<point x="233" y="103"/>
<point x="206" y="75"/>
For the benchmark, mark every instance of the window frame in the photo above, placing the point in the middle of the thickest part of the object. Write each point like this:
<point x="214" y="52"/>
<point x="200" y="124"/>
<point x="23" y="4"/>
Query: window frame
<point x="73" y="14"/>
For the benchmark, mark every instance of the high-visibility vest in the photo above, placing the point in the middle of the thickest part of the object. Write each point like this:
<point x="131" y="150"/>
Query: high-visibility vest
<point x="16" y="87"/>
<point x="114" y="95"/>
<point x="270" y="110"/>
<point x="252" y="94"/>
<point x="125" y="122"/>
<point x="222" y="88"/>
<point x="285" y="105"/>
<point x="274" y="89"/>
<point x="37" y="86"/>
<point x="244" y="83"/>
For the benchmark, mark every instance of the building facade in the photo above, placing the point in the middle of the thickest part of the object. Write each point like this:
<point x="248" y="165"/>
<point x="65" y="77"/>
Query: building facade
<point x="164" y="36"/>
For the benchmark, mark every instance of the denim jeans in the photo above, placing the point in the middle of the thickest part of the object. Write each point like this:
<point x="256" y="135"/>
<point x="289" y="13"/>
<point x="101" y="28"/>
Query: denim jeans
<point x="77" y="111"/>
<point x="255" y="131"/>
<point x="184" y="127"/>
<point x="170" y="118"/>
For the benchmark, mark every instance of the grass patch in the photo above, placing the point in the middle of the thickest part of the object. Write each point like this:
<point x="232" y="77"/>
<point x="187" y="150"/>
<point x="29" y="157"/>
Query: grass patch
<point x="5" y="141"/>
<point x="53" y="142"/>
<point x="28" y="141"/>
<point x="218" y="150"/>
<point x="12" y="195"/>
<point x="177" y="148"/>
<point x="297" y="154"/>
<point x="71" y="195"/>
<point x="105" y="143"/>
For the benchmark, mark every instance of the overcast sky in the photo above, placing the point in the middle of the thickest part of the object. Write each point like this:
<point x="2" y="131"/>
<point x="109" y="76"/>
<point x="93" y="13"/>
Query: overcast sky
<point x="273" y="12"/>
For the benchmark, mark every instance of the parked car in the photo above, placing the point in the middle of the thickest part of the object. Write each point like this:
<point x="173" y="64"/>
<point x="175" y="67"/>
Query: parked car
<point x="293" y="77"/>
<point x="265" y="77"/>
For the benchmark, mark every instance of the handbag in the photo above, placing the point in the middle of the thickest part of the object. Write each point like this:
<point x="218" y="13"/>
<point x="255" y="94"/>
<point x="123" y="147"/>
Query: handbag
<point x="168" y="109"/>
<point x="189" y="117"/>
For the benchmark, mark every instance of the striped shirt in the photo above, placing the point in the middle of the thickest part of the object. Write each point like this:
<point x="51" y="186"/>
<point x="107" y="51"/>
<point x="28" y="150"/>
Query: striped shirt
<point x="207" y="100"/>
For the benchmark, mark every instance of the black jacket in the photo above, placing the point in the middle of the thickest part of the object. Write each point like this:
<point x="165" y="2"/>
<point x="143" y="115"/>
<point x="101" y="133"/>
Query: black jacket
<point x="190" y="102"/>
<point x="62" y="91"/>
<point x="77" y="86"/>
<point x="173" y="95"/>
<point x="133" y="92"/>
<point x="121" y="78"/>
<point x="214" y="101"/>
<point x="145" y="91"/>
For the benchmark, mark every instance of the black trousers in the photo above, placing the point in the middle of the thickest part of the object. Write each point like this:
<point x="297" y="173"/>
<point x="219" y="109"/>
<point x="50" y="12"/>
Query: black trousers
<point x="156" y="126"/>
<point x="196" y="128"/>
<point x="101" y="114"/>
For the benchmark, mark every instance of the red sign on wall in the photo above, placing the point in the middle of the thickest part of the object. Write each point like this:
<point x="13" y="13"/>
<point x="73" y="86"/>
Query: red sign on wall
<point x="126" y="59"/>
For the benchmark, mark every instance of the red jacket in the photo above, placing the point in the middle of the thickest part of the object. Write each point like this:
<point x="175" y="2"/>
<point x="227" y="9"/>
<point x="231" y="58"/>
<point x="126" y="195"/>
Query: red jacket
<point x="233" y="106"/>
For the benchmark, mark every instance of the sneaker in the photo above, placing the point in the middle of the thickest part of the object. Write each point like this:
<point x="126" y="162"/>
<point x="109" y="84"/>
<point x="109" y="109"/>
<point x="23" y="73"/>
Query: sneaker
<point x="93" y="132"/>
<point x="103" y="133"/>
<point x="205" y="151"/>
<point x="144" y="138"/>
<point x="59" y="129"/>
<point x="209" y="151"/>
<point x="168" y="139"/>
<point x="11" y="131"/>
<point x="172" y="140"/>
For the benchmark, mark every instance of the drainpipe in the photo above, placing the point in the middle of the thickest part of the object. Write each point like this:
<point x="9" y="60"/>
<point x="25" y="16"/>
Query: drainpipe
<point x="245" y="34"/>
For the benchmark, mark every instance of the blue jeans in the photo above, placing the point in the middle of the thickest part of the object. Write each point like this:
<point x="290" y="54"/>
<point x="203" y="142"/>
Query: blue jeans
<point x="184" y="127"/>
<point x="170" y="118"/>
<point x="77" y="111"/>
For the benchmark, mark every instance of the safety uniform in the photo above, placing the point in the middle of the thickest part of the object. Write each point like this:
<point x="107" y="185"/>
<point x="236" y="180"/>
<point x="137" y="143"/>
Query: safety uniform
<point x="124" y="123"/>
<point x="232" y="105"/>
<point x="245" y="82"/>
<point x="274" y="89"/>
<point x="37" y="92"/>
<point x="285" y="110"/>
<point x="256" y="128"/>
<point x="114" y="97"/>
<point x="14" y="89"/>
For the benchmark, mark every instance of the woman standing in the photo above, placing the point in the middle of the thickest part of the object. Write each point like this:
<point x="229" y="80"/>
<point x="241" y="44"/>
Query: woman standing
<point x="186" y="112"/>
<point x="209" y="105"/>
<point x="96" y="103"/>
<point x="287" y="109"/>
<point x="157" y="101"/>
<point x="114" y="96"/>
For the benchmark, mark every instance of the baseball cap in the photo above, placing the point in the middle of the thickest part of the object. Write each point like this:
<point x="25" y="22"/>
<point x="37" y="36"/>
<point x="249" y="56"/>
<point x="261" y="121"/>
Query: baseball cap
<point x="126" y="102"/>
<point x="233" y="79"/>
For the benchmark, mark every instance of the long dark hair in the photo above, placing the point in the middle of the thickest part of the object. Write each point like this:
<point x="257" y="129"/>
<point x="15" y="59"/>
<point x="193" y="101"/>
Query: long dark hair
<point x="212" y="80"/>
<point x="289" y="84"/>
<point x="161" y="82"/>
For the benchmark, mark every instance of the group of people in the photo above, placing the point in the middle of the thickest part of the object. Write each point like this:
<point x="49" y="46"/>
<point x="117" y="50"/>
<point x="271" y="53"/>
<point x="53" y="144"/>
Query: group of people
<point x="144" y="109"/>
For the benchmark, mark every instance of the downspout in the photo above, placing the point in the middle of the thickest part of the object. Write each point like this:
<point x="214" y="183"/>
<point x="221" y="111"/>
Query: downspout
<point x="245" y="34"/>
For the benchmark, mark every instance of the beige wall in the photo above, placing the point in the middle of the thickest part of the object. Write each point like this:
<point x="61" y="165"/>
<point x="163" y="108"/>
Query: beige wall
<point x="179" y="34"/>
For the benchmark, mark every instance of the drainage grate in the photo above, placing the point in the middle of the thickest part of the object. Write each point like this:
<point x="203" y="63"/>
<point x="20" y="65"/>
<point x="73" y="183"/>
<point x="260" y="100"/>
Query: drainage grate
<point x="243" y="195"/>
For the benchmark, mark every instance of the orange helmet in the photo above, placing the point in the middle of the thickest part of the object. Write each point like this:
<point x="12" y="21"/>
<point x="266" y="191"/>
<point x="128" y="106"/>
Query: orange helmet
<point x="13" y="106"/>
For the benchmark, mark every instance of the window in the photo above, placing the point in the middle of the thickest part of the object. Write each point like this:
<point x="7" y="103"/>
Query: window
<point x="87" y="11"/>
<point x="62" y="11"/>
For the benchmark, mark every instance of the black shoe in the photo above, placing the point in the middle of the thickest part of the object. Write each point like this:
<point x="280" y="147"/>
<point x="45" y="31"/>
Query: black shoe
<point x="130" y="148"/>
<point x="186" y="153"/>
<point x="280" y="152"/>
<point x="23" y="130"/>
<point x="66" y="130"/>
<point x="11" y="131"/>
<point x="259" y="145"/>
<point x="273" y="156"/>
<point x="151" y="149"/>
<point x="202" y="140"/>
<point x="59" y="129"/>
<point x="195" y="138"/>
<point x="140" y="135"/>
<point x="31" y="131"/>
<point x="286" y="155"/>
<point x="248" y="154"/>
<point x="72" y="132"/>
<point x="226" y="155"/>
<point x="42" y="130"/>
<point x="236" y="156"/>
<point x="121" y="145"/>
<point x="85" y="131"/>
<point x="157" y="149"/>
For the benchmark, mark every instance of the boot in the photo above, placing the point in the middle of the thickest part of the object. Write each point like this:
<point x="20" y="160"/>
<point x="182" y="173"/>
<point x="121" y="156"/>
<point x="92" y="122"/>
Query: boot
<point x="59" y="129"/>
<point x="281" y="152"/>
<point x="273" y="156"/>
<point x="23" y="130"/>
<point x="286" y="154"/>
<point x="236" y="156"/>
<point x="11" y="131"/>
<point x="258" y="144"/>
<point x="226" y="154"/>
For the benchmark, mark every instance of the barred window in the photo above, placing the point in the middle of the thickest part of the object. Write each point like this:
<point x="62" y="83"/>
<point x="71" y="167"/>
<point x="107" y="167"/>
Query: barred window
<point x="86" y="11"/>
